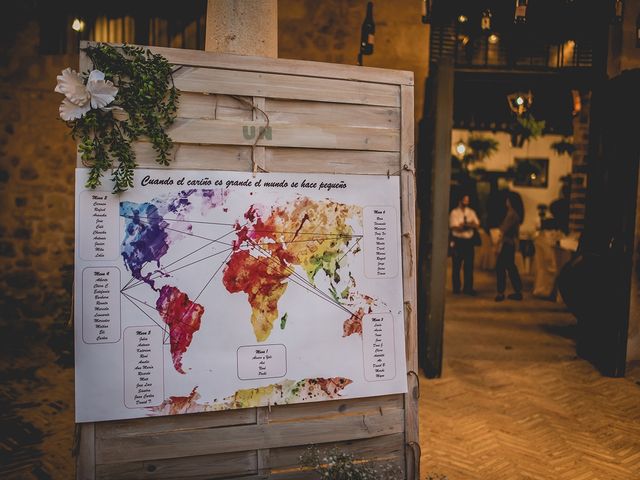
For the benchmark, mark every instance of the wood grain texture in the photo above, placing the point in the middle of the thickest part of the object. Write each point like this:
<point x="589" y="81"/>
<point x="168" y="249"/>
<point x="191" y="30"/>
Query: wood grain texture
<point x="225" y="132"/>
<point x="148" y="426"/>
<point x="213" y="107"/>
<point x="198" y="157"/>
<point x="185" y="443"/>
<point x="263" y="454"/>
<point x="86" y="460"/>
<point x="386" y="447"/>
<point x="409" y="267"/>
<point x="332" y="161"/>
<point x="273" y="85"/>
<point x="204" y="466"/>
<point x="323" y="113"/>
<point x="302" y="68"/>
<point x="332" y="408"/>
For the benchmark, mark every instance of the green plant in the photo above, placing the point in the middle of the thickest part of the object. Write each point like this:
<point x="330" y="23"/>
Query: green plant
<point x="482" y="147"/>
<point x="336" y="465"/>
<point x="147" y="96"/>
<point x="563" y="146"/>
<point x="529" y="128"/>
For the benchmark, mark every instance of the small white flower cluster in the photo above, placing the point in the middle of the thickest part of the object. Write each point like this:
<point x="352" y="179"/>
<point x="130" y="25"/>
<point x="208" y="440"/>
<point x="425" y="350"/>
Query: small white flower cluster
<point x="80" y="98"/>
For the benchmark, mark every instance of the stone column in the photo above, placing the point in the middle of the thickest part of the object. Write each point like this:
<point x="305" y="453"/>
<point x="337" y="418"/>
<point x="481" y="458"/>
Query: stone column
<point x="242" y="27"/>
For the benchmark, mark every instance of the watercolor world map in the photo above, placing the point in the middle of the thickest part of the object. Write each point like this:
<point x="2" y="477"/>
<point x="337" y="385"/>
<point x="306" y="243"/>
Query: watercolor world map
<point x="256" y="257"/>
<point x="228" y="290"/>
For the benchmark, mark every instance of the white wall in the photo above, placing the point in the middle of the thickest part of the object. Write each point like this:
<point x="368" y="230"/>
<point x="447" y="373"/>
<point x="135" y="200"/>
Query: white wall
<point x="559" y="165"/>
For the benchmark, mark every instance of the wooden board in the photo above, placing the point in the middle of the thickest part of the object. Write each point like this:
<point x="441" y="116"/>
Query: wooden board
<point x="323" y="118"/>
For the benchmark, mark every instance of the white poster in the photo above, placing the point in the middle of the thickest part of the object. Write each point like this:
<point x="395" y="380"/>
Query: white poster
<point x="199" y="291"/>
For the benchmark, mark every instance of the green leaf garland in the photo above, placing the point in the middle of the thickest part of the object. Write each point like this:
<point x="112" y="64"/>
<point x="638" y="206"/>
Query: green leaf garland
<point x="148" y="99"/>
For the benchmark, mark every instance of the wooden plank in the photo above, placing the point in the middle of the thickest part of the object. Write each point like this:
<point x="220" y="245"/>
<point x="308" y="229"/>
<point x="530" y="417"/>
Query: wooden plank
<point x="297" y="473"/>
<point x="179" y="56"/>
<point x="436" y="217"/>
<point x="246" y="437"/>
<point x="221" y="465"/>
<point x="263" y="454"/>
<point x="296" y="160"/>
<point x="194" y="421"/>
<point x="259" y="155"/>
<point x="409" y="271"/>
<point x="213" y="80"/>
<point x="354" y="406"/>
<point x="303" y="112"/>
<point x="225" y="132"/>
<point x="212" y="107"/>
<point x="198" y="157"/>
<point x="86" y="460"/>
<point x="383" y="447"/>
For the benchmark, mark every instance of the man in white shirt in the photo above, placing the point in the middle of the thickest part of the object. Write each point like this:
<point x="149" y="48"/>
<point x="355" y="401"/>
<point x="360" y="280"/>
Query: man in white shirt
<point x="463" y="222"/>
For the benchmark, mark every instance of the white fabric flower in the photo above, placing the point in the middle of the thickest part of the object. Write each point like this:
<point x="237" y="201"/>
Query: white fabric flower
<point x="80" y="98"/>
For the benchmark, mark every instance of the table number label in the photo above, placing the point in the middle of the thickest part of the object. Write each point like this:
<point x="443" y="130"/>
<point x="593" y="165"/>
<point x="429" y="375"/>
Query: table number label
<point x="380" y="242"/>
<point x="99" y="227"/>
<point x="101" y="305"/>
<point x="378" y="347"/>
<point x="262" y="361"/>
<point x="143" y="367"/>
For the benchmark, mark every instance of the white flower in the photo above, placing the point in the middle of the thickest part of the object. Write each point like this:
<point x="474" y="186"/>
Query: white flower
<point x="80" y="98"/>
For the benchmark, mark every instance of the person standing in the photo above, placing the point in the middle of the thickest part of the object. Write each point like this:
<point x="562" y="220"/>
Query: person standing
<point x="505" y="263"/>
<point x="463" y="223"/>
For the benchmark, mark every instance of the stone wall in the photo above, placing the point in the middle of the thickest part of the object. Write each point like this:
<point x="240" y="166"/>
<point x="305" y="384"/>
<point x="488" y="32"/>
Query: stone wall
<point x="36" y="262"/>
<point x="329" y="31"/>
<point x="37" y="177"/>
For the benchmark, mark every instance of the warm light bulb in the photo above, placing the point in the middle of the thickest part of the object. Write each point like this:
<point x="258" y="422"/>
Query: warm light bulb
<point x="460" y="148"/>
<point x="462" y="18"/>
<point x="77" y="25"/>
<point x="493" y="39"/>
<point x="519" y="101"/>
<point x="571" y="43"/>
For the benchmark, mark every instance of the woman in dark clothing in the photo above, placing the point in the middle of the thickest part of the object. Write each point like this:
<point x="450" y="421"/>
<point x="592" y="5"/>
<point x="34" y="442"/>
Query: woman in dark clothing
<point x="505" y="263"/>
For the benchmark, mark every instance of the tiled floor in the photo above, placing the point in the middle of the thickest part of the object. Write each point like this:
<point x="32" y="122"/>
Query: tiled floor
<point x="514" y="402"/>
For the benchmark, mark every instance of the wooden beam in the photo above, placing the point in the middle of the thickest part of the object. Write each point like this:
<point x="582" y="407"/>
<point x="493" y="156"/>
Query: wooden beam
<point x="435" y="217"/>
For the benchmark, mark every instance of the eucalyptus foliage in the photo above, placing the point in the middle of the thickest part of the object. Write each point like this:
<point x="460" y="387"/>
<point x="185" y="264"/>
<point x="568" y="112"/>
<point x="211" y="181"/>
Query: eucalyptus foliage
<point x="148" y="97"/>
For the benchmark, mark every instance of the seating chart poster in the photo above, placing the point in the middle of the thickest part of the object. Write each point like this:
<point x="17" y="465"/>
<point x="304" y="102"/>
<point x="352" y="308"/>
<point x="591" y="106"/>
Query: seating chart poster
<point x="208" y="290"/>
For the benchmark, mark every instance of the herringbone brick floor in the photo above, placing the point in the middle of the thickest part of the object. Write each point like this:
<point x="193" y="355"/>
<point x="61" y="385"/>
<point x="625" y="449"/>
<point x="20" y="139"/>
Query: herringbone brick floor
<point x="514" y="402"/>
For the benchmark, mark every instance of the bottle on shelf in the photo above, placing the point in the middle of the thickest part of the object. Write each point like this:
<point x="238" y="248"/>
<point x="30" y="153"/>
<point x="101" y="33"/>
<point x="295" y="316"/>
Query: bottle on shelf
<point x="367" y="35"/>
